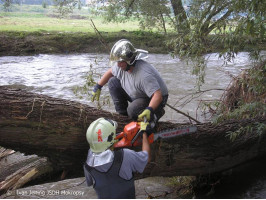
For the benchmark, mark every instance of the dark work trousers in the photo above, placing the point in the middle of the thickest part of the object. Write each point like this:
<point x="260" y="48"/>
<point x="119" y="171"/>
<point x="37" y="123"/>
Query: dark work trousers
<point x="136" y="106"/>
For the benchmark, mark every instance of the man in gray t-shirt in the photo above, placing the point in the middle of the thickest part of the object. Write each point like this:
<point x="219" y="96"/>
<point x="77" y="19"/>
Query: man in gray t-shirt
<point x="131" y="79"/>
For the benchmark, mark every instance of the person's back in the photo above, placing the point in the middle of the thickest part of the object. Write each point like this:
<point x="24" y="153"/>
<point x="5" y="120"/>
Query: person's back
<point x="111" y="172"/>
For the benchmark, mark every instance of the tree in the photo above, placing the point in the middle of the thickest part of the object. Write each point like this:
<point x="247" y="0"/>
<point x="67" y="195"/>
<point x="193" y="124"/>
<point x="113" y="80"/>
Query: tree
<point x="198" y="18"/>
<point x="65" y="7"/>
<point x="44" y="4"/>
<point x="56" y="128"/>
<point x="193" y="21"/>
<point x="7" y="4"/>
<point x="194" y="15"/>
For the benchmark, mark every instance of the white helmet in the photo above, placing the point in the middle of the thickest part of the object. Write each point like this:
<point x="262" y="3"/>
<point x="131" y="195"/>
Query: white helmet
<point x="101" y="134"/>
<point x="123" y="50"/>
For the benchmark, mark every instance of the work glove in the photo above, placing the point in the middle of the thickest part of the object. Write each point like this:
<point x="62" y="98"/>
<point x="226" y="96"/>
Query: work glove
<point x="96" y="92"/>
<point x="145" y="128"/>
<point x="147" y="113"/>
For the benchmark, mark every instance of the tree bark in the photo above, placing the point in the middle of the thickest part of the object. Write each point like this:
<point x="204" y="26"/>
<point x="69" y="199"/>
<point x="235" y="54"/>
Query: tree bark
<point x="180" y="15"/>
<point x="46" y="126"/>
<point x="56" y="128"/>
<point x="17" y="169"/>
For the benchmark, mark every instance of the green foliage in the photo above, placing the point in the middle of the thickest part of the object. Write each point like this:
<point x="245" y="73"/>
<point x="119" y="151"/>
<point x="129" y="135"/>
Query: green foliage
<point x="158" y="16"/>
<point x="91" y="78"/>
<point x="245" y="98"/>
<point x="80" y="91"/>
<point x="246" y="110"/>
<point x="44" y="4"/>
<point x="258" y="128"/>
<point x="234" y="134"/>
<point x="7" y="4"/>
<point x="66" y="7"/>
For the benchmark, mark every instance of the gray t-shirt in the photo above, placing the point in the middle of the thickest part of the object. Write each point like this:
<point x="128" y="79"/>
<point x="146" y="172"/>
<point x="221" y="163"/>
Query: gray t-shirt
<point x="132" y="162"/>
<point x="142" y="82"/>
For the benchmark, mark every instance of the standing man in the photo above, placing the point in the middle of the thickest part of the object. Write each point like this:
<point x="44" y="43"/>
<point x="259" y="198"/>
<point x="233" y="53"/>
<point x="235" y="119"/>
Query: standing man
<point x="131" y="79"/>
<point x="111" y="172"/>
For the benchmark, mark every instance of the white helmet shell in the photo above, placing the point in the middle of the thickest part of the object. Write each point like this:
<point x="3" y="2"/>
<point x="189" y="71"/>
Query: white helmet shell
<point x="101" y="134"/>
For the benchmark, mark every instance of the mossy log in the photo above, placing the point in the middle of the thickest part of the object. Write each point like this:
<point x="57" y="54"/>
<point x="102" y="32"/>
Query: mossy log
<point x="55" y="128"/>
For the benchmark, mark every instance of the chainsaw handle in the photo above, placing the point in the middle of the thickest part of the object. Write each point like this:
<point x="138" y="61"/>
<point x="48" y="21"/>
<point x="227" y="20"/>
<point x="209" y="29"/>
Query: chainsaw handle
<point x="135" y="137"/>
<point x="120" y="135"/>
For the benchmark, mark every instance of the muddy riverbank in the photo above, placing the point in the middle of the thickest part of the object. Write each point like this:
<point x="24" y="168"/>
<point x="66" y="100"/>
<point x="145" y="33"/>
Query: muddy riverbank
<point x="32" y="43"/>
<point x="14" y="43"/>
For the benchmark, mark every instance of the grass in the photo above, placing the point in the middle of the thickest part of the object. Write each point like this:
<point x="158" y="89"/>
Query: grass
<point x="14" y="23"/>
<point x="35" y="18"/>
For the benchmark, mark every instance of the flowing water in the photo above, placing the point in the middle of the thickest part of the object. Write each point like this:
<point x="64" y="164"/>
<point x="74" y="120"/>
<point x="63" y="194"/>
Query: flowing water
<point x="59" y="75"/>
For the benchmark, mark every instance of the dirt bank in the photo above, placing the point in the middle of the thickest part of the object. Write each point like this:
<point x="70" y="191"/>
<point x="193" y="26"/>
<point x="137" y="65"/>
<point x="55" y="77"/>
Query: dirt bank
<point x="29" y="43"/>
<point x="14" y="43"/>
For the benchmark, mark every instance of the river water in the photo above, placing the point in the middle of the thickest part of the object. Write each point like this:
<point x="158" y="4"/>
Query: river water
<point x="59" y="75"/>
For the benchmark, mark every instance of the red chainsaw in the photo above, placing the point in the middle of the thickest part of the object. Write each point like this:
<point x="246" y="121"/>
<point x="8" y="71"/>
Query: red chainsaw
<point x="131" y="134"/>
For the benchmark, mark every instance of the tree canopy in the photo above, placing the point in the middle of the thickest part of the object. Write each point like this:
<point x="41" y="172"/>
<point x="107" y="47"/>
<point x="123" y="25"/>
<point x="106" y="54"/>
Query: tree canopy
<point x="193" y="21"/>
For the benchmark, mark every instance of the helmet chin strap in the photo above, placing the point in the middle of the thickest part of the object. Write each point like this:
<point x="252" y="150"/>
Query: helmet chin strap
<point x="129" y="65"/>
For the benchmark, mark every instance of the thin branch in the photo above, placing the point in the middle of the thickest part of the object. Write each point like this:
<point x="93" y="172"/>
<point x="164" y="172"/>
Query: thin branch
<point x="219" y="20"/>
<point x="206" y="11"/>
<point x="171" y="19"/>
<point x="205" y="25"/>
<point x="131" y="3"/>
<point x="217" y="11"/>
<point x="194" y="93"/>
<point x="101" y="39"/>
<point x="163" y="22"/>
<point x="183" y="113"/>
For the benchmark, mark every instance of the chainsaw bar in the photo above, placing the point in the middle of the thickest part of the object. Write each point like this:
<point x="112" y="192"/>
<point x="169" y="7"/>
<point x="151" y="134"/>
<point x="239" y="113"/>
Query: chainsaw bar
<point x="131" y="134"/>
<point x="165" y="134"/>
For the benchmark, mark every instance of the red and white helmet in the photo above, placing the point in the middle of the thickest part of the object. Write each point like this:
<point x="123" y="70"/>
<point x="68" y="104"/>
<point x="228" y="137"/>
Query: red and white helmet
<point x="101" y="134"/>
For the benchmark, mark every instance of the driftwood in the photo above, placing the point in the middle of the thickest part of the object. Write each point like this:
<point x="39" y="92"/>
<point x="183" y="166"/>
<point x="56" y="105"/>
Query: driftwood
<point x="55" y="128"/>
<point x="18" y="169"/>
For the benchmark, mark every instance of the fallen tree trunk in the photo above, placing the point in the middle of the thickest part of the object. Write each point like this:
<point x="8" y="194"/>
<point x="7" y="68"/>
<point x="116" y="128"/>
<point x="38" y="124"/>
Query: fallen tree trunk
<point x="55" y="128"/>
